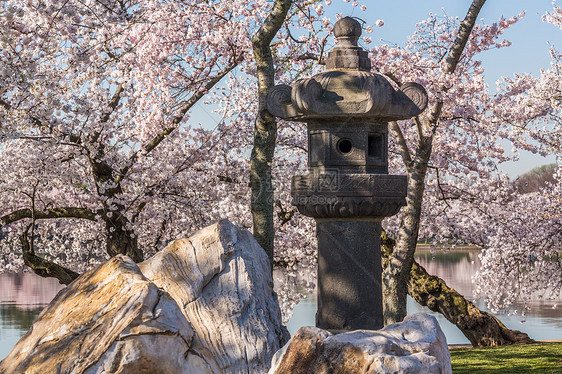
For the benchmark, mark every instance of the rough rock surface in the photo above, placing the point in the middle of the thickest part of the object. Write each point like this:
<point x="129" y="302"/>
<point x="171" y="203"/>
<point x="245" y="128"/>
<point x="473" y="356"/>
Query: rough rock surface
<point x="417" y="346"/>
<point x="103" y="320"/>
<point x="202" y="305"/>
<point x="221" y="279"/>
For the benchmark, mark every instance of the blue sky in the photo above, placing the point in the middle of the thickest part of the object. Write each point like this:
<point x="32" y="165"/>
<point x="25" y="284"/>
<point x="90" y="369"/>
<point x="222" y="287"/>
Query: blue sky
<point x="531" y="39"/>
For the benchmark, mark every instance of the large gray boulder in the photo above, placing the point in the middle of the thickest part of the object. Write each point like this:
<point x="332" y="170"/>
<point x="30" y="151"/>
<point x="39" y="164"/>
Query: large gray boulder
<point x="201" y="305"/>
<point x="415" y="346"/>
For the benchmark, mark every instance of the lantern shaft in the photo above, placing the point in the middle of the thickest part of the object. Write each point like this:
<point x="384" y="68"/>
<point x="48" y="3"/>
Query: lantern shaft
<point x="349" y="274"/>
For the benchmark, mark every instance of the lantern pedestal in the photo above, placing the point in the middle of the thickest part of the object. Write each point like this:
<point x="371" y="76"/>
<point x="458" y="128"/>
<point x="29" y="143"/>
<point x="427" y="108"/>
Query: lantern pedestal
<point x="349" y="274"/>
<point x="348" y="210"/>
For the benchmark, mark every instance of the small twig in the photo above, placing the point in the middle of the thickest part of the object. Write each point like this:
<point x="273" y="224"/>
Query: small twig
<point x="312" y="56"/>
<point x="284" y="215"/>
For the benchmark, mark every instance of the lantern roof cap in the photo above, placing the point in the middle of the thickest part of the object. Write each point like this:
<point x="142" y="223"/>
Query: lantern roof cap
<point x="348" y="88"/>
<point x="346" y="28"/>
<point x="347" y="54"/>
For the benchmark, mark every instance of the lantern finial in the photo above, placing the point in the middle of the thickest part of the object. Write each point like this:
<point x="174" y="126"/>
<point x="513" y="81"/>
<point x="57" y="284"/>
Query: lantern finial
<point x="347" y="54"/>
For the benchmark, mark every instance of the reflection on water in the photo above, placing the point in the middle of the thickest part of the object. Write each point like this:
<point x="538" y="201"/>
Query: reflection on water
<point x="27" y="290"/>
<point x="22" y="297"/>
<point x="457" y="267"/>
<point x="14" y="317"/>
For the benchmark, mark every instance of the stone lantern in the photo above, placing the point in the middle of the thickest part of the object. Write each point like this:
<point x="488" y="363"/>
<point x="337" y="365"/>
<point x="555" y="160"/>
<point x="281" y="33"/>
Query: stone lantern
<point x="348" y="190"/>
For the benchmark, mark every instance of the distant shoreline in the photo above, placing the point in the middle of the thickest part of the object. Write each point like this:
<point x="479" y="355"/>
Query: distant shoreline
<point x="439" y="247"/>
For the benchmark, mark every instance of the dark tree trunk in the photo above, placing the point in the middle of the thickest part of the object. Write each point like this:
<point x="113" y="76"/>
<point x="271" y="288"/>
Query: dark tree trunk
<point x="481" y="328"/>
<point x="265" y="130"/>
<point x="395" y="276"/>
<point x="42" y="267"/>
<point x="119" y="239"/>
<point x="122" y="241"/>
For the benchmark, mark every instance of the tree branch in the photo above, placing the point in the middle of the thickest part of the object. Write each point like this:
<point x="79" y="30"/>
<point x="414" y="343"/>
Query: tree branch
<point x="404" y="150"/>
<point x="42" y="267"/>
<point x="5" y="104"/>
<point x="311" y="56"/>
<point x="113" y="103"/>
<point x="397" y="132"/>
<point x="105" y="116"/>
<point x="189" y="103"/>
<point x="284" y="216"/>
<point x="455" y="52"/>
<point x="39" y="265"/>
<point x="265" y="130"/>
<point x="67" y="212"/>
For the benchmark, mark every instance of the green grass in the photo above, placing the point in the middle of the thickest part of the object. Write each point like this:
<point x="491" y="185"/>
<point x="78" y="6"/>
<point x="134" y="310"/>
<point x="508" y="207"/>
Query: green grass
<point x="529" y="359"/>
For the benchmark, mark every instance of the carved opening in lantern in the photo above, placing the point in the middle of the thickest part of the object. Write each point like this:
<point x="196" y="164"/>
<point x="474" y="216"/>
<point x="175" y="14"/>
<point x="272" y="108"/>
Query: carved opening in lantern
<point x="345" y="146"/>
<point x="375" y="146"/>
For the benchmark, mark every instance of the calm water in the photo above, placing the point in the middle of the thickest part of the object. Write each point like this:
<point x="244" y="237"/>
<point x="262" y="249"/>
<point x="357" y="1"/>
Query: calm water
<point x="457" y="268"/>
<point x="22" y="297"/>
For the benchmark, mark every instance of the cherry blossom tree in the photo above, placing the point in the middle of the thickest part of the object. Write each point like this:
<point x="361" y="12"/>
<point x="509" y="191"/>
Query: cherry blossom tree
<point x="467" y="199"/>
<point x="442" y="55"/>
<point x="96" y="100"/>
<point x="519" y="231"/>
<point x="451" y="156"/>
<point x="98" y="156"/>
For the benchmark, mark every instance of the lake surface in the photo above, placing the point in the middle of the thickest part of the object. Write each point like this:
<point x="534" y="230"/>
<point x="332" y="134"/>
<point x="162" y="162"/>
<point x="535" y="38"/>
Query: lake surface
<point x="457" y="267"/>
<point x="23" y="296"/>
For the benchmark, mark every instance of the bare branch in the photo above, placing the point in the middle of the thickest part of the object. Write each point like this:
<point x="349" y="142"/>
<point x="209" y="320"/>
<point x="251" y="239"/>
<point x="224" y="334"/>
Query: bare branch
<point x="284" y="215"/>
<point x="292" y="37"/>
<point x="311" y="56"/>
<point x="393" y="78"/>
<point x="113" y="103"/>
<point x="455" y="52"/>
<point x="40" y="266"/>
<point x="188" y="104"/>
<point x="178" y="118"/>
<point x="67" y="212"/>
<point x="5" y="104"/>
<point x="103" y="119"/>
<point x="397" y="130"/>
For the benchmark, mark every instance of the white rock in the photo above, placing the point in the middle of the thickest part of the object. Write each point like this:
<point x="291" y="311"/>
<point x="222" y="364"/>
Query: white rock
<point x="107" y="321"/>
<point x="221" y="278"/>
<point x="417" y="346"/>
<point x="201" y="305"/>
